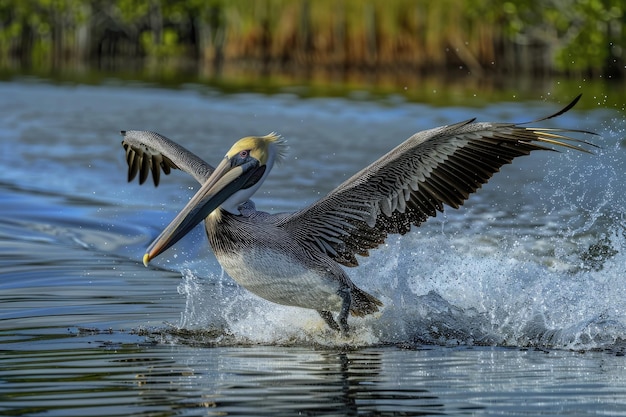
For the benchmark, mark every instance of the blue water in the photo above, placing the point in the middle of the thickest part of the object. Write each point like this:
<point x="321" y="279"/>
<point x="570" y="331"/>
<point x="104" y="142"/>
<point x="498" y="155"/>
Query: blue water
<point x="512" y="305"/>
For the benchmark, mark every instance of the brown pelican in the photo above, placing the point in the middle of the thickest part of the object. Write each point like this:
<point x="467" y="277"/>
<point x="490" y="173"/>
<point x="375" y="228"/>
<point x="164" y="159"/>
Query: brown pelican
<point x="294" y="258"/>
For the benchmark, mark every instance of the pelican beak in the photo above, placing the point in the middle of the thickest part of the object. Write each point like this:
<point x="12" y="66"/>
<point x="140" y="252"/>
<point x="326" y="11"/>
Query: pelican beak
<point x="224" y="182"/>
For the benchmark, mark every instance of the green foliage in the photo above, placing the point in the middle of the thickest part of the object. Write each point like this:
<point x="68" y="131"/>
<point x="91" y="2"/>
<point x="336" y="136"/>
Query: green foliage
<point x="166" y="47"/>
<point x="588" y="27"/>
<point x="582" y="35"/>
<point x="576" y="35"/>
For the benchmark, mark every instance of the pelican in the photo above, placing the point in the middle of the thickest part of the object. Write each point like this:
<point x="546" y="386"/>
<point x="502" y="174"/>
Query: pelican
<point x="295" y="258"/>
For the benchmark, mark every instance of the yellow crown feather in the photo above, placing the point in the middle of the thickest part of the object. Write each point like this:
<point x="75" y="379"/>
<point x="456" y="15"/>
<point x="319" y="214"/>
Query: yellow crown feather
<point x="259" y="147"/>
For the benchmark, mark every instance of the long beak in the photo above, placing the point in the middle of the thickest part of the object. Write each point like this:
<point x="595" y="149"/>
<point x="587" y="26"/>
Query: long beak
<point x="223" y="183"/>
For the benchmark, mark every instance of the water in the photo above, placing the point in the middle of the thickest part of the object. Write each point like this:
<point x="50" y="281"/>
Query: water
<point x="512" y="305"/>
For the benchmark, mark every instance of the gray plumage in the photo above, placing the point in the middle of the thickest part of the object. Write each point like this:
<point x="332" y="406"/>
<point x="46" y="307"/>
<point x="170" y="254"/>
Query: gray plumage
<point x="292" y="258"/>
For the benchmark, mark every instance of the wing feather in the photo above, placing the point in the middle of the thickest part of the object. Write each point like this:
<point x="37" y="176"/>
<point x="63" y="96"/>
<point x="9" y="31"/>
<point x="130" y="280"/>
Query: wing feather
<point x="151" y="152"/>
<point x="414" y="181"/>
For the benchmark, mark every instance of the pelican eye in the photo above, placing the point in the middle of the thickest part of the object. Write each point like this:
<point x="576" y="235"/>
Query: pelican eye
<point x="244" y="154"/>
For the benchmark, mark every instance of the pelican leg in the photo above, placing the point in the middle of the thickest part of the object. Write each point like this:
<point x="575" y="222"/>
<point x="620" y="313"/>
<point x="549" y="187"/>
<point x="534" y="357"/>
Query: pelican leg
<point x="345" y="295"/>
<point x="329" y="319"/>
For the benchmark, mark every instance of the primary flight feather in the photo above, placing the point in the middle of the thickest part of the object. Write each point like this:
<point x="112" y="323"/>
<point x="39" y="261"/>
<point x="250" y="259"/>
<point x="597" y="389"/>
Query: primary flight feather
<point x="294" y="258"/>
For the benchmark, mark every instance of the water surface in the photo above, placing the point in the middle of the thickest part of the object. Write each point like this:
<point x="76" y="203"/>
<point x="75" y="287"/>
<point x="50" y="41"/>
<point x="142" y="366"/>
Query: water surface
<point x="511" y="305"/>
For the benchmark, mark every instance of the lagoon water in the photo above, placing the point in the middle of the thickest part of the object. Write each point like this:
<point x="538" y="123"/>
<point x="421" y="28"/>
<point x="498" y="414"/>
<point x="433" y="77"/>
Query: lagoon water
<point x="511" y="305"/>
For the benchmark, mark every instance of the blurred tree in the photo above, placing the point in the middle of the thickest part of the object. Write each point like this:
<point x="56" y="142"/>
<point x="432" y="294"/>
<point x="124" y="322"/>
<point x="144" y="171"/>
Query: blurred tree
<point x="483" y="36"/>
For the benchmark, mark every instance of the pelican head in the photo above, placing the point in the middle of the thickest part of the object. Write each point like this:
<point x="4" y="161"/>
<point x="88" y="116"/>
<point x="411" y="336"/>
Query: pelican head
<point x="237" y="177"/>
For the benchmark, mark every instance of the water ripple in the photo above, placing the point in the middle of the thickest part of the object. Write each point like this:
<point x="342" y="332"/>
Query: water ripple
<point x="527" y="278"/>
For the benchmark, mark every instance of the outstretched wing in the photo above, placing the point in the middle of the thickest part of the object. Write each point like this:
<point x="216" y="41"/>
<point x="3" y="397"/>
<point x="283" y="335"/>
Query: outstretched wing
<point x="413" y="182"/>
<point x="149" y="151"/>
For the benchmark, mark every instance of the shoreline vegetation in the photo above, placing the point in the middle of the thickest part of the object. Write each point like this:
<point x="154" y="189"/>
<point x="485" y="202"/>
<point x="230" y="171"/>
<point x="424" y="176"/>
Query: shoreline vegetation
<point x="371" y="41"/>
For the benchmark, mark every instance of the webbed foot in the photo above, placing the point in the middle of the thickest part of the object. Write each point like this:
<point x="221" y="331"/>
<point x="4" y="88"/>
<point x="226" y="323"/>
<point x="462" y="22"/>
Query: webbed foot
<point x="329" y="319"/>
<point x="342" y="326"/>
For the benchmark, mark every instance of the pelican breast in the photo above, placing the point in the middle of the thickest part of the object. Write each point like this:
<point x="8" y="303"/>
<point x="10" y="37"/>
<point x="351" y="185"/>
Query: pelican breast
<point x="267" y="261"/>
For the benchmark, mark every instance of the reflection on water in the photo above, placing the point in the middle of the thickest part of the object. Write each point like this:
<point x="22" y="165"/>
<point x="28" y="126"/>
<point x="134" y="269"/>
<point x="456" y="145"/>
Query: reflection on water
<point x="128" y="379"/>
<point x="533" y="261"/>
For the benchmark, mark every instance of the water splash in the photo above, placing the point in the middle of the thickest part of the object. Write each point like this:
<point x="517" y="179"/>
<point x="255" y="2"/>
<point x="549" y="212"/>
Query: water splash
<point x="455" y="298"/>
<point x="543" y="268"/>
